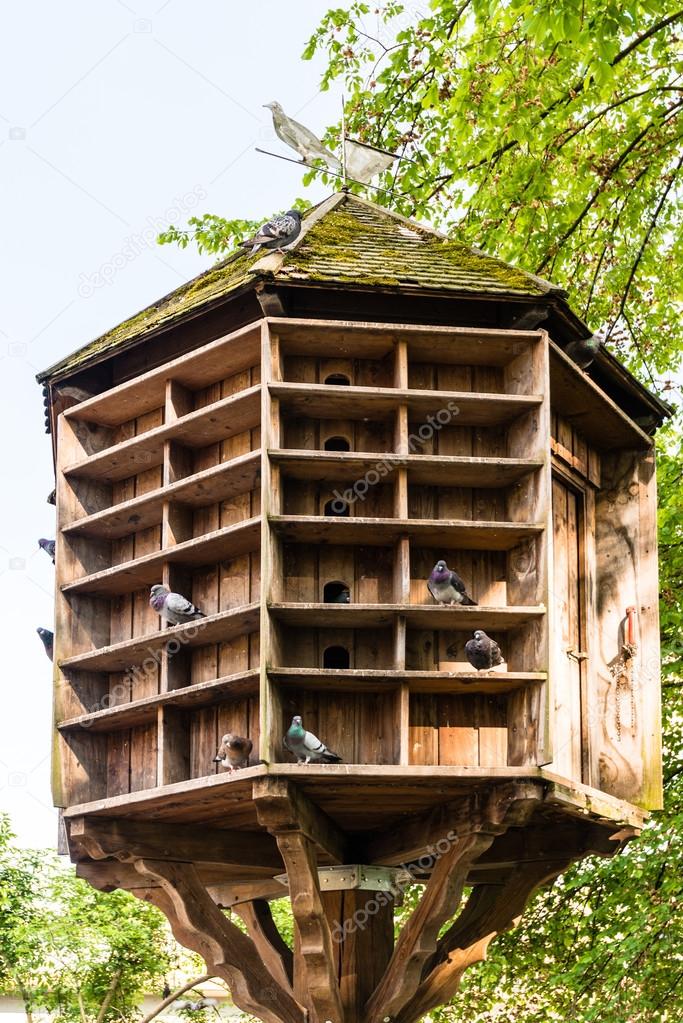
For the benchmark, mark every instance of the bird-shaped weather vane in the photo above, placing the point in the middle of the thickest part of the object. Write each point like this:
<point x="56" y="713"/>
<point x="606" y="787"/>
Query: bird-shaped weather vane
<point x="359" y="162"/>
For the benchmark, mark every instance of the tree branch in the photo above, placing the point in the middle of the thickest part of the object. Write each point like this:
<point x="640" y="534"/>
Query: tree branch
<point x="643" y="246"/>
<point x="175" y="994"/>
<point x="111" y="991"/>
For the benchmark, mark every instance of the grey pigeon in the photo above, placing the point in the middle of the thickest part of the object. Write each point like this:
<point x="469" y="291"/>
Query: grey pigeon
<point x="447" y="587"/>
<point x="52" y="497"/>
<point x="583" y="352"/>
<point x="275" y="233"/>
<point x="48" y="640"/>
<point x="307" y="747"/>
<point x="300" y="138"/>
<point x="233" y="752"/>
<point x="173" y="607"/>
<point x="48" y="546"/>
<point x="482" y="652"/>
<point x="343" y="597"/>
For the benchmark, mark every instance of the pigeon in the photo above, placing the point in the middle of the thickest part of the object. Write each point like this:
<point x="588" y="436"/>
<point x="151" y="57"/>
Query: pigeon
<point x="48" y="640"/>
<point x="300" y="138"/>
<point x="276" y="232"/>
<point x="233" y="752"/>
<point x="52" y="497"/>
<point x="48" y="546"/>
<point x="173" y="607"/>
<point x="583" y="352"/>
<point x="343" y="597"/>
<point x="447" y="587"/>
<point x="482" y="652"/>
<point x="307" y="747"/>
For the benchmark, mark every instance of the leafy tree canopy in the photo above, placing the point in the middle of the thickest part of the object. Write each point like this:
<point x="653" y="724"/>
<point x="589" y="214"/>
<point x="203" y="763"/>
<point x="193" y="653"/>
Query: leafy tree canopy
<point x="66" y="948"/>
<point x="547" y="132"/>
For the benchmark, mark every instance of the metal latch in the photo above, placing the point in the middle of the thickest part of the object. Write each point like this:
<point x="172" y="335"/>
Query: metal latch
<point x="576" y="655"/>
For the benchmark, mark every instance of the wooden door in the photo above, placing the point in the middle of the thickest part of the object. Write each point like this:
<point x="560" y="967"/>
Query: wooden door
<point x="567" y="642"/>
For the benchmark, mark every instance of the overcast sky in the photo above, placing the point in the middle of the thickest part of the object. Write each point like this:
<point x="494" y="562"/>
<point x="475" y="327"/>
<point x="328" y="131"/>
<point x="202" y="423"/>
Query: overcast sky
<point x="116" y="118"/>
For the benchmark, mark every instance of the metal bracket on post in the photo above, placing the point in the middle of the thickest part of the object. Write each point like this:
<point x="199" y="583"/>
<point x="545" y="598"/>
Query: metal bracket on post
<point x="361" y="878"/>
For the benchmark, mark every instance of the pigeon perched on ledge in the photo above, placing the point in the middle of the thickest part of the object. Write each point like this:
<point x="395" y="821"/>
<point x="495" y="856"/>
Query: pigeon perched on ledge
<point x="306" y="747"/>
<point x="233" y="752"/>
<point x="583" y="352"/>
<point x="48" y="546"/>
<point x="173" y="607"/>
<point x="47" y="638"/>
<point x="447" y="587"/>
<point x="276" y="233"/>
<point x="483" y="653"/>
<point x="300" y="138"/>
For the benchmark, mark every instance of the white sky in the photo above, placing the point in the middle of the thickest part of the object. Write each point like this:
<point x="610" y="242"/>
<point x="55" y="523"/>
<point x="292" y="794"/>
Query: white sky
<point x="112" y="113"/>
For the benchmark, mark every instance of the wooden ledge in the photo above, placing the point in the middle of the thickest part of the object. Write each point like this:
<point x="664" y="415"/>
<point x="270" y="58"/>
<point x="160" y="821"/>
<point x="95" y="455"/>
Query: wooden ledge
<point x="218" y="628"/>
<point x="216" y="797"/>
<point x="220" y="545"/>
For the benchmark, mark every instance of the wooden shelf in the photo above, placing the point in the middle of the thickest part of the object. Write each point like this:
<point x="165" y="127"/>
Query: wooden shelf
<point x="208" y="425"/>
<point x="458" y="346"/>
<point x="194" y="370"/>
<point x="577" y="399"/>
<point x="144" y="712"/>
<point x="220" y="545"/>
<point x="418" y="616"/>
<point x="447" y="533"/>
<point x="436" y="470"/>
<point x="217" y="483"/>
<point x="360" y="680"/>
<point x="320" y="401"/>
<point x="218" y="628"/>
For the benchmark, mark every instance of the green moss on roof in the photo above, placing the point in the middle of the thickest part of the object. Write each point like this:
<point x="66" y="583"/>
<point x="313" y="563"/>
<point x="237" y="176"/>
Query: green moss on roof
<point x="349" y="242"/>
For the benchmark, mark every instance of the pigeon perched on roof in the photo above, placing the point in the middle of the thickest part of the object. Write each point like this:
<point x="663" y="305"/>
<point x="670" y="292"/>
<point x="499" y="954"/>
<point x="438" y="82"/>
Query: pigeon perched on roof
<point x="483" y="653"/>
<point x="300" y="138"/>
<point x="173" y="607"/>
<point x="48" y="546"/>
<point x="233" y="752"/>
<point x="584" y="351"/>
<point x="48" y="639"/>
<point x="307" y="747"/>
<point x="447" y="587"/>
<point x="276" y="233"/>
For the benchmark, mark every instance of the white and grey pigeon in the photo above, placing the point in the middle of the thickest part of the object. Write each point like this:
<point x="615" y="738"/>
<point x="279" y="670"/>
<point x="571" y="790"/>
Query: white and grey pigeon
<point x="306" y="747"/>
<point x="447" y="587"/>
<point x="300" y="138"/>
<point x="483" y="653"/>
<point x="173" y="607"/>
<point x="275" y="233"/>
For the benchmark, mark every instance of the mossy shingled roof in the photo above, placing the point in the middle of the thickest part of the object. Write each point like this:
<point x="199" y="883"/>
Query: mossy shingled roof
<point x="344" y="241"/>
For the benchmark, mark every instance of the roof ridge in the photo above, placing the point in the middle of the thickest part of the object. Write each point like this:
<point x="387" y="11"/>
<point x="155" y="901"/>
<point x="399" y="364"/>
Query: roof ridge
<point x="415" y="224"/>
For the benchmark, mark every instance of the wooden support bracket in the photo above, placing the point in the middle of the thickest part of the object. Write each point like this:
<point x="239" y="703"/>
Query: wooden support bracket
<point x="478" y="824"/>
<point x="199" y="924"/>
<point x="282" y="807"/>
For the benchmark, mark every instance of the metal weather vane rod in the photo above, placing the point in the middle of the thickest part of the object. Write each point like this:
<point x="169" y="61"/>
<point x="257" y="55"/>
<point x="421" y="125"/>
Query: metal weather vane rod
<point x="328" y="170"/>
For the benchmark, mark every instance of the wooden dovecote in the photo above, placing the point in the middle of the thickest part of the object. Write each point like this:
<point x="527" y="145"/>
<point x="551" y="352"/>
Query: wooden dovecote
<point x="292" y="442"/>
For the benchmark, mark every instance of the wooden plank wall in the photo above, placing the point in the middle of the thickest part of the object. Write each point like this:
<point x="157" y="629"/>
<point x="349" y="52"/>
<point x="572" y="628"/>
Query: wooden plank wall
<point x="180" y="744"/>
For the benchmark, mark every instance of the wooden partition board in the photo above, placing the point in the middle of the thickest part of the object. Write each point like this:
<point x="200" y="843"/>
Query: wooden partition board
<point x="456" y="486"/>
